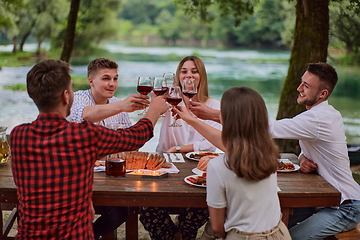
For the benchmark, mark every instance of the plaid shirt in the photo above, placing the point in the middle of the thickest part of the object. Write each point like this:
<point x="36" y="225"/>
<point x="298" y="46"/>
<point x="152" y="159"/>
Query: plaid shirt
<point x="52" y="162"/>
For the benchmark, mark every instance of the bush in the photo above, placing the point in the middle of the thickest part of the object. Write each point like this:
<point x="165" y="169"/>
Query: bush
<point x="349" y="60"/>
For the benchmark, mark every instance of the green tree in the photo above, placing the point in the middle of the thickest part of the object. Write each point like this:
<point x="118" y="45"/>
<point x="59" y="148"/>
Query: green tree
<point x="93" y="21"/>
<point x="46" y="19"/>
<point x="310" y="45"/>
<point x="70" y="31"/>
<point x="140" y="11"/>
<point x="9" y="19"/>
<point x="344" y="26"/>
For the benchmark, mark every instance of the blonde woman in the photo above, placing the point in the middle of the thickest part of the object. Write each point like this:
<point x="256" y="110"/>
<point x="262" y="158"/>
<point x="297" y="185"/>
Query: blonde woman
<point x="157" y="220"/>
<point x="186" y="138"/>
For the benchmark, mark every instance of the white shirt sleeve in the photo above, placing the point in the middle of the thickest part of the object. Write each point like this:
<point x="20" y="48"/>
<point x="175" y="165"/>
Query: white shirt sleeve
<point x="302" y="127"/>
<point x="81" y="100"/>
<point x="215" y="193"/>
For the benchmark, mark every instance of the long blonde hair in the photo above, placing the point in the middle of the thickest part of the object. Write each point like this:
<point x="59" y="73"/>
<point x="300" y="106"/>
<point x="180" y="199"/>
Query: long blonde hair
<point x="203" y="90"/>
<point x="251" y="152"/>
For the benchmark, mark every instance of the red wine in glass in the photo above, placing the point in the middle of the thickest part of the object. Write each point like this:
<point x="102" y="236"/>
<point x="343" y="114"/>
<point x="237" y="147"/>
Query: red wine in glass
<point x="144" y="90"/>
<point x="160" y="91"/>
<point x="144" y="87"/>
<point x="189" y="94"/>
<point x="174" y="100"/>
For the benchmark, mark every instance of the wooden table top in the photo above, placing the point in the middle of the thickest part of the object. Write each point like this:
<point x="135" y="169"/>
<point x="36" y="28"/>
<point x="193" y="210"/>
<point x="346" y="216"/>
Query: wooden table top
<point x="297" y="189"/>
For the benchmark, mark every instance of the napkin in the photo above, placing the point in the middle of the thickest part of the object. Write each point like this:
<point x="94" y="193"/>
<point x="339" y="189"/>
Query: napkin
<point x="99" y="169"/>
<point x="173" y="169"/>
<point x="173" y="158"/>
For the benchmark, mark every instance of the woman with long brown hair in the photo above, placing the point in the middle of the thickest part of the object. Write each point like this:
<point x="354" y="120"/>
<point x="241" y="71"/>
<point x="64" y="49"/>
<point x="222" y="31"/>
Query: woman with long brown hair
<point x="241" y="184"/>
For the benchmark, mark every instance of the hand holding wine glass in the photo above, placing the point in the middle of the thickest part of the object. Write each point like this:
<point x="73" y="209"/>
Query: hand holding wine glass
<point x="144" y="87"/>
<point x="174" y="98"/>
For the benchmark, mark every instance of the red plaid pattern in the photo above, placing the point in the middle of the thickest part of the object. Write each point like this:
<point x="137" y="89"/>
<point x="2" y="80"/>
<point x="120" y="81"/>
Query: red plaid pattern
<point x="52" y="162"/>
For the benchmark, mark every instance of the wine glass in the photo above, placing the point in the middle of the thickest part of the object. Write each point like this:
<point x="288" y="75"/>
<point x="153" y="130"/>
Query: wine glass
<point x="189" y="89"/>
<point x="160" y="87"/>
<point x="169" y="78"/>
<point x="174" y="98"/>
<point x="144" y="87"/>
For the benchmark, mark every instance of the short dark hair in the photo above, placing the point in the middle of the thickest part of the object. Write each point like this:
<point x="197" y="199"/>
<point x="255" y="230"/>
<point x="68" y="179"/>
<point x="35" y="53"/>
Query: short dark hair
<point x="100" y="63"/>
<point x="326" y="73"/>
<point x="46" y="82"/>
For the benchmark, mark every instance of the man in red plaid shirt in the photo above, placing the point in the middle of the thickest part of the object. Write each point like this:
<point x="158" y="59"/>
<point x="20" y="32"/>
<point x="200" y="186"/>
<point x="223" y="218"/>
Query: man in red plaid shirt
<point x="52" y="159"/>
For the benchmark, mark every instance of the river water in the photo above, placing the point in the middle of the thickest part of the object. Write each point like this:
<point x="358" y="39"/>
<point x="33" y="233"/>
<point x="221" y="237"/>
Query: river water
<point x="225" y="69"/>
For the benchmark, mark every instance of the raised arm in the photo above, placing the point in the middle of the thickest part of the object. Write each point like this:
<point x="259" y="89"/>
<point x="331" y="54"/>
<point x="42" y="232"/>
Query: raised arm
<point x="205" y="112"/>
<point x="96" y="113"/>
<point x="213" y="135"/>
<point x="157" y="107"/>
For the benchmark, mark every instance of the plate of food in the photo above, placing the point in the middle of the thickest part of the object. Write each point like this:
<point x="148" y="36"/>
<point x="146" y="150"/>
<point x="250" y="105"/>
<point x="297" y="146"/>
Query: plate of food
<point x="195" y="156"/>
<point x="196" y="180"/>
<point x="285" y="165"/>
<point x="197" y="171"/>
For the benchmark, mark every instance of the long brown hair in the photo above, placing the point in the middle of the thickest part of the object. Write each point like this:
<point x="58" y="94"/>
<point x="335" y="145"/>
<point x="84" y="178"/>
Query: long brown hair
<point x="251" y="152"/>
<point x="203" y="90"/>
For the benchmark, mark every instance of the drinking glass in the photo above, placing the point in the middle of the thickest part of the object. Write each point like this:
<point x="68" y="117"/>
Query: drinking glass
<point x="144" y="87"/>
<point x="115" y="167"/>
<point x="160" y="87"/>
<point x="174" y="98"/>
<point x="189" y="88"/>
<point x="169" y="78"/>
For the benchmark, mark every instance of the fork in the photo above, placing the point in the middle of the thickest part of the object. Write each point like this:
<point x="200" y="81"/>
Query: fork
<point x="169" y="157"/>
<point x="176" y="157"/>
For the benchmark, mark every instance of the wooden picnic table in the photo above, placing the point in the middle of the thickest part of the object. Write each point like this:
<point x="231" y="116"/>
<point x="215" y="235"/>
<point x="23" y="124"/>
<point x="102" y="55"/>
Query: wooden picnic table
<point x="297" y="190"/>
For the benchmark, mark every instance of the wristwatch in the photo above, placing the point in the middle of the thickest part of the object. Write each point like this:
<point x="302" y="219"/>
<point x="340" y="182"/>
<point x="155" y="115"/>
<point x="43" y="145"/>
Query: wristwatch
<point x="178" y="148"/>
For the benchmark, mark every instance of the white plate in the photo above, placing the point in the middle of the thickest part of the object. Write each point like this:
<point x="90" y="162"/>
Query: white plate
<point x="197" y="171"/>
<point x="187" y="155"/>
<point x="193" y="184"/>
<point x="296" y="167"/>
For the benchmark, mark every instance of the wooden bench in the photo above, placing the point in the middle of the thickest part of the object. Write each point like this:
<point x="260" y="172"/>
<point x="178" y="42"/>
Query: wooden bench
<point x="353" y="234"/>
<point x="350" y="235"/>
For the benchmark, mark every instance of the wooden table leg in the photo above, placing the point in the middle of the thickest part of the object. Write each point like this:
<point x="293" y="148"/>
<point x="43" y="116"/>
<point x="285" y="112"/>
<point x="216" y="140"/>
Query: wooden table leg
<point x="285" y="215"/>
<point x="132" y="224"/>
<point x="1" y="223"/>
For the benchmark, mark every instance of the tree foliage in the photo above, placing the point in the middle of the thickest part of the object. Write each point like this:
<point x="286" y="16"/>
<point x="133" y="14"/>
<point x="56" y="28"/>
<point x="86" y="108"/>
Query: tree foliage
<point x="345" y="27"/>
<point x="9" y="16"/>
<point x="239" y="9"/>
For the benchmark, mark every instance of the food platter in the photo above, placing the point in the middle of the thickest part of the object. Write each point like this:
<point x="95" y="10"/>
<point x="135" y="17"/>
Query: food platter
<point x="287" y="161"/>
<point x="197" y="171"/>
<point x="195" y="156"/>
<point x="297" y="167"/>
<point x="191" y="183"/>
